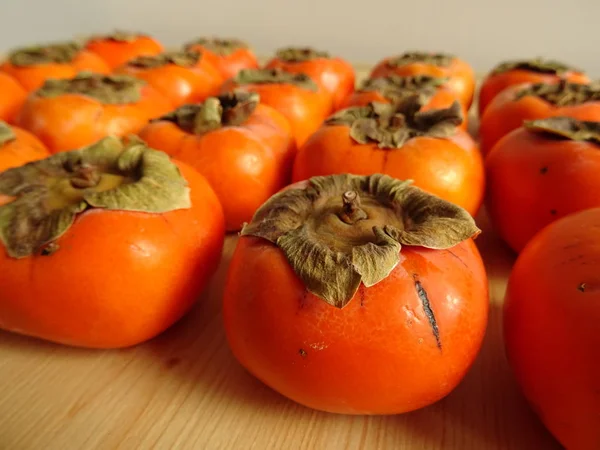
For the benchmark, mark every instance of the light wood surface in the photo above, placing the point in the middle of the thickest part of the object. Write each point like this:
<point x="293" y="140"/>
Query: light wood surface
<point x="184" y="390"/>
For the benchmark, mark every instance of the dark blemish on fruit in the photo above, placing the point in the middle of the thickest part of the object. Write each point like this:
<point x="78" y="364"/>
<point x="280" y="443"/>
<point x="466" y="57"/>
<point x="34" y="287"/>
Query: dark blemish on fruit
<point x="544" y="170"/>
<point x="50" y="249"/>
<point x="302" y="353"/>
<point x="581" y="287"/>
<point x="553" y="212"/>
<point x="172" y="362"/>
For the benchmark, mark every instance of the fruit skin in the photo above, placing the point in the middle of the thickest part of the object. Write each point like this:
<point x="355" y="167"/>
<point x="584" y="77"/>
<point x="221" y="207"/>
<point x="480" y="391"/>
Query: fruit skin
<point x="13" y="97"/>
<point x="229" y="65"/>
<point x="71" y="121"/>
<point x="449" y="168"/>
<point x="533" y="180"/>
<point x="505" y="113"/>
<point x="381" y="341"/>
<point x="23" y="149"/>
<point x="244" y="164"/>
<point x="33" y="77"/>
<point x="117" y="289"/>
<point x="550" y="328"/>
<point x="116" y="53"/>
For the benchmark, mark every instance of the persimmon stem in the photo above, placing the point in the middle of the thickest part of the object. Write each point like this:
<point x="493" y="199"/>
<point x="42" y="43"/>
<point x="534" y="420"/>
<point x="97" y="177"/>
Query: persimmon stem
<point x="85" y="177"/>
<point x="352" y="212"/>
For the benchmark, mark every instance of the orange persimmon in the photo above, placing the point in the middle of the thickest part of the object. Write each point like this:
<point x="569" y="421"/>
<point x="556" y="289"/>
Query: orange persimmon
<point x="229" y="56"/>
<point x="92" y="254"/>
<point x="357" y="295"/>
<point x="295" y="95"/>
<point x="12" y="99"/>
<point x="18" y="147"/>
<point x="68" y="114"/>
<point x="395" y="88"/>
<point x="551" y="316"/>
<point x="543" y="171"/>
<point x="512" y="73"/>
<point x="119" y="47"/>
<point x="461" y="78"/>
<point x="401" y="141"/>
<point x="334" y="74"/>
<point x="32" y="66"/>
<point x="182" y="77"/>
<point x="516" y="104"/>
<point x="244" y="149"/>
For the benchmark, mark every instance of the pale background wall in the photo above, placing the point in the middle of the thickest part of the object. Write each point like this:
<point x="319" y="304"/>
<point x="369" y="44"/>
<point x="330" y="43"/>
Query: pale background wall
<point x="482" y="31"/>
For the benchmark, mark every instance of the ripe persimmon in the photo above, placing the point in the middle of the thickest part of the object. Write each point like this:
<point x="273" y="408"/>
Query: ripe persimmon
<point x="92" y="254"/>
<point x="229" y="56"/>
<point x="119" y="47"/>
<point x="68" y="114"/>
<point x="244" y="149"/>
<point x="32" y="66"/>
<point x="402" y="141"/>
<point x="12" y="99"/>
<point x="551" y="317"/>
<point x="334" y="74"/>
<point x="357" y="295"/>
<point x="18" y="147"/>
<point x="543" y="171"/>
<point x="295" y="95"/>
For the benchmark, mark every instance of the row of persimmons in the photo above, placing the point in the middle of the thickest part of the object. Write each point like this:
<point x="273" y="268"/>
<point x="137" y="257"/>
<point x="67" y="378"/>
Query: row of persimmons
<point x="350" y="290"/>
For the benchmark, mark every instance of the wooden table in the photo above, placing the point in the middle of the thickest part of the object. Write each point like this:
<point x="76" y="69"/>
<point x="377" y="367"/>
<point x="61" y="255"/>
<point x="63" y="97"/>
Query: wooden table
<point x="184" y="390"/>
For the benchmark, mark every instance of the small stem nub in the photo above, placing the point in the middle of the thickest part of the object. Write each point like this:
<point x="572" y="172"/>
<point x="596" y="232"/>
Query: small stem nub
<point x="352" y="212"/>
<point x="86" y="176"/>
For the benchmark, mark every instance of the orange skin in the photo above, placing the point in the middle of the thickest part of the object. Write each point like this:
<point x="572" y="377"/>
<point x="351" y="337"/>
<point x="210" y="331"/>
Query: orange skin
<point x="442" y="99"/>
<point x="496" y="83"/>
<point x="229" y="65"/>
<point x="534" y="180"/>
<point x="23" y="149"/>
<point x="335" y="75"/>
<point x="505" y="114"/>
<point x="244" y="164"/>
<point x="117" y="289"/>
<point x="180" y="85"/>
<point x="34" y="77"/>
<point x="551" y="328"/>
<point x="72" y="121"/>
<point x="305" y="109"/>
<point x="460" y="74"/>
<point x="382" y="341"/>
<point x="12" y="99"/>
<point x="449" y="168"/>
<point x="116" y="53"/>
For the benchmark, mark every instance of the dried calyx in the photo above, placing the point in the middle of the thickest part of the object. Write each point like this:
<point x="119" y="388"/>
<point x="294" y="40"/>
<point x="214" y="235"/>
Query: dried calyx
<point x="538" y="65"/>
<point x="113" y="174"/>
<point x="221" y="47"/>
<point x="274" y="76"/>
<point x="396" y="88"/>
<point x="108" y="89"/>
<point x="230" y="109"/>
<point x="562" y="93"/>
<point x="121" y="36"/>
<point x="60" y="53"/>
<point x="392" y="125"/>
<point x="187" y="58"/>
<point x="566" y="128"/>
<point x="6" y="133"/>
<point x="300" y="54"/>
<point x="436" y="59"/>
<point x="344" y="230"/>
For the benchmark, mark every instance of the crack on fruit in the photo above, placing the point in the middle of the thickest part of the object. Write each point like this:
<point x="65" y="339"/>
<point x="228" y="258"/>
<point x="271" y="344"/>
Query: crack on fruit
<point x="424" y="298"/>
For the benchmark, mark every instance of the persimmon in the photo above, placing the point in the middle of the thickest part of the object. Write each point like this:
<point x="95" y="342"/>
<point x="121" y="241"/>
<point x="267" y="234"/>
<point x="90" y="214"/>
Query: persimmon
<point x="182" y="77"/>
<point x="541" y="172"/>
<point x="334" y="74"/>
<point x="461" y="78"/>
<point x="119" y="47"/>
<point x="12" y="99"/>
<point x="244" y="149"/>
<point x="357" y="295"/>
<point x="516" y="104"/>
<point x="32" y="66"/>
<point x="68" y="114"/>
<point x="395" y="88"/>
<point x="229" y="56"/>
<point x="402" y="141"/>
<point x="92" y="254"/>
<point x="551" y="317"/>
<point x="295" y="95"/>
<point x="512" y="73"/>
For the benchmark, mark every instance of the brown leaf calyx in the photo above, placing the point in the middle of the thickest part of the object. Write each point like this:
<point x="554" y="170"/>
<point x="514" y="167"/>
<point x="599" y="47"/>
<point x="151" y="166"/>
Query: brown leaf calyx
<point x="300" y="54"/>
<point x="274" y="76"/>
<point x="219" y="46"/>
<point x="538" y="65"/>
<point x="396" y="88"/>
<point x="6" y="133"/>
<point x="562" y="93"/>
<point x="186" y="58"/>
<point x="566" y="128"/>
<point x="435" y="59"/>
<point x="59" y="53"/>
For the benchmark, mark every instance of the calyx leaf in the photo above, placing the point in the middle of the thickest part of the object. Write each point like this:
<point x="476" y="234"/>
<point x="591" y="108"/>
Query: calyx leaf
<point x="300" y="54"/>
<point x="6" y="133"/>
<point x="333" y="253"/>
<point x="562" y="93"/>
<point x="113" y="174"/>
<point x="566" y="128"/>
<point x="538" y="65"/>
<point x="274" y="76"/>
<point x="396" y="88"/>
<point x="186" y="58"/>
<point x="392" y="125"/>
<point x="436" y="59"/>
<point x="222" y="47"/>
<point x="59" y="53"/>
